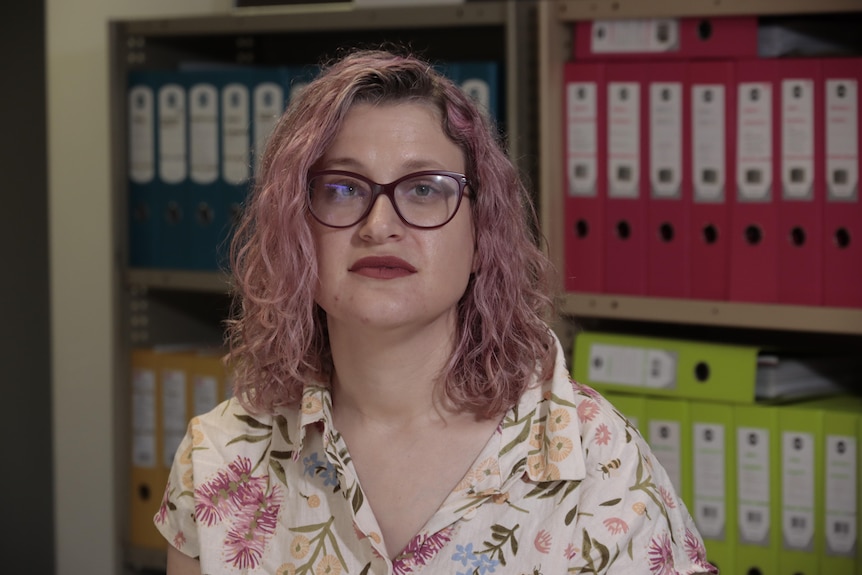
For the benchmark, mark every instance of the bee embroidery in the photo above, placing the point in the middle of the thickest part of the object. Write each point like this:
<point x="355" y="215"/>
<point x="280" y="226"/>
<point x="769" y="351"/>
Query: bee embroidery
<point x="609" y="468"/>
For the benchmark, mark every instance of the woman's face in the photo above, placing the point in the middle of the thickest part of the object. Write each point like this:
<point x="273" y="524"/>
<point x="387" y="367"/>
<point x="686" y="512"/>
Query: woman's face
<point x="425" y="271"/>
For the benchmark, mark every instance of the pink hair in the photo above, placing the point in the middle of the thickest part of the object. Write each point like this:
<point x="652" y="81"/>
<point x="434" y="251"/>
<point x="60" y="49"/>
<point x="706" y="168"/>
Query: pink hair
<point x="278" y="338"/>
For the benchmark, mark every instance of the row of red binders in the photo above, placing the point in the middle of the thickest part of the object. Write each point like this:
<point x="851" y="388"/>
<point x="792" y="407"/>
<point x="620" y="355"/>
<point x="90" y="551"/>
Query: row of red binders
<point x="730" y="179"/>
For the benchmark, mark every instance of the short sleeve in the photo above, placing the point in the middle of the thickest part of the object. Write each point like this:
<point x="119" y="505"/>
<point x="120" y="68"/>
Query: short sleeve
<point x="630" y="512"/>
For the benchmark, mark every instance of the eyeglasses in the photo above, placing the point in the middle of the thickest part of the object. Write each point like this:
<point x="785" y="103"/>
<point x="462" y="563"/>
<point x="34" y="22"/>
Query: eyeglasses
<point x="428" y="199"/>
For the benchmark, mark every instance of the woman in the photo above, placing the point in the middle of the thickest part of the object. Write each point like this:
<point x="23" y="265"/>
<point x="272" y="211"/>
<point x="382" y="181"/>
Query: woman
<point x="401" y="406"/>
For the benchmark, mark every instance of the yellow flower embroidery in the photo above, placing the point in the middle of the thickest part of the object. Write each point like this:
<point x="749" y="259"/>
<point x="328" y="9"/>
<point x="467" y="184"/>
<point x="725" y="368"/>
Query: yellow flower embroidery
<point x="560" y="448"/>
<point x="375" y="537"/>
<point x="541" y="469"/>
<point x="537" y="436"/>
<point x="313" y="501"/>
<point x="189" y="480"/>
<point x="329" y="565"/>
<point x="559" y="419"/>
<point x="299" y="546"/>
<point x="500" y="498"/>
<point x="286" y="569"/>
<point x="311" y="405"/>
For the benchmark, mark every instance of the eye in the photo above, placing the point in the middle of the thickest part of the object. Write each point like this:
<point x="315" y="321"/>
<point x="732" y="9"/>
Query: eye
<point x="339" y="188"/>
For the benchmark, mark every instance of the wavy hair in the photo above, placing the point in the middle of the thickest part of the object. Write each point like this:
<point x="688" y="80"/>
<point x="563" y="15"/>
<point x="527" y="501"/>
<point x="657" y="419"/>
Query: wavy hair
<point x="277" y="335"/>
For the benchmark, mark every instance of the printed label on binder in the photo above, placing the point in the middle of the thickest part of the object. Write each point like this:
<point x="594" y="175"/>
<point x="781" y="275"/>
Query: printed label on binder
<point x="143" y="418"/>
<point x="173" y="159"/>
<point x="754" y="145"/>
<point x="842" y="139"/>
<point x="203" y="133"/>
<point x="797" y="490"/>
<point x="236" y="136"/>
<point x="665" y="117"/>
<point x="752" y="473"/>
<point x="664" y="439"/>
<point x="581" y="133"/>
<point x="142" y="144"/>
<point x="709" y="488"/>
<point x="708" y="144"/>
<point x="623" y="139"/>
<point x="173" y="412"/>
<point x="637" y="367"/>
<point x="797" y="139"/>
<point x="840" y="490"/>
<point x="635" y="36"/>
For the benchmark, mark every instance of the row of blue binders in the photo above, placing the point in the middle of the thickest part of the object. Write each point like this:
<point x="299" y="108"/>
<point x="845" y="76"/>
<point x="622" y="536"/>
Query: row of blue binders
<point x="194" y="137"/>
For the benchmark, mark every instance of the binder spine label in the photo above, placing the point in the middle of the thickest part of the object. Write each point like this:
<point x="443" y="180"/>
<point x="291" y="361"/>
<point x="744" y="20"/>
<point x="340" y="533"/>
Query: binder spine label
<point x="797" y="139"/>
<point x="173" y="155"/>
<point x="634" y="36"/>
<point x="143" y="418"/>
<point x="797" y="490"/>
<point x="754" y="142"/>
<point x="665" y="441"/>
<point x="842" y="140"/>
<point x="709" y="487"/>
<point x="665" y="118"/>
<point x="623" y="139"/>
<point x="268" y="104"/>
<point x="581" y="134"/>
<point x="142" y="134"/>
<point x="708" y="142"/>
<point x="205" y="394"/>
<point x="841" y="482"/>
<point x="203" y="134"/>
<point x="236" y="134"/>
<point x="173" y="412"/>
<point x="632" y="366"/>
<point x="752" y="481"/>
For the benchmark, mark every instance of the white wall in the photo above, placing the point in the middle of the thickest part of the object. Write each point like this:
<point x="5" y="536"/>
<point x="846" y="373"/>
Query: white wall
<point x="82" y="270"/>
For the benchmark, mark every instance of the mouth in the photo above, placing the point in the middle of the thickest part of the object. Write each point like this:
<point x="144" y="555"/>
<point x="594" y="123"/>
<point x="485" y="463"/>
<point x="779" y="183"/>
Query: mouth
<point x="382" y="267"/>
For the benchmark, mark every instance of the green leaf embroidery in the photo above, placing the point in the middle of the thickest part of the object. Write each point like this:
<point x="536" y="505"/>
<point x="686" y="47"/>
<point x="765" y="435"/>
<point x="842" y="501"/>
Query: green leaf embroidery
<point x="611" y="502"/>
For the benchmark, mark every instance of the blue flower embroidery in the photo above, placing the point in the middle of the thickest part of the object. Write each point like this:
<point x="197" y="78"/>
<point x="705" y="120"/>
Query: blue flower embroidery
<point x="313" y="466"/>
<point x="478" y="564"/>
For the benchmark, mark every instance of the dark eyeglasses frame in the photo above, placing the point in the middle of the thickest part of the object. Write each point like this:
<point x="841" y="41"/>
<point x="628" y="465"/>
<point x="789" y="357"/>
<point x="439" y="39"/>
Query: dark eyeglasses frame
<point x="388" y="190"/>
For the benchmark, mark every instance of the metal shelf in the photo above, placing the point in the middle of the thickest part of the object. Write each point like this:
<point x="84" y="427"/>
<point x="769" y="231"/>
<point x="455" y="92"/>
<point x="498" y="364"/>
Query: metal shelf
<point x="210" y="282"/>
<point x="714" y="313"/>
<point x="572" y="10"/>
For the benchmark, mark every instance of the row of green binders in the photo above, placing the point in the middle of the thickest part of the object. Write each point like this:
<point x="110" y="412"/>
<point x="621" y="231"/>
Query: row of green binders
<point x="772" y="484"/>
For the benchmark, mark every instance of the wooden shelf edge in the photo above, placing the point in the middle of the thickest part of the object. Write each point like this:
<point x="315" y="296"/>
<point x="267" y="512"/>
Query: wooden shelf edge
<point x="714" y="313"/>
<point x="573" y="10"/>
<point x="214" y="282"/>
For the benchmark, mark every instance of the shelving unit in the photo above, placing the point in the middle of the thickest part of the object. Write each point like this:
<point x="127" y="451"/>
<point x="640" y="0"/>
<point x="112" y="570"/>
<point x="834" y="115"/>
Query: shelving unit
<point x="163" y="306"/>
<point x="556" y="18"/>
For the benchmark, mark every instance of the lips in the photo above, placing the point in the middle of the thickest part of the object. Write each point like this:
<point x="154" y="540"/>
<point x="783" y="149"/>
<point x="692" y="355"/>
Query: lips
<point x="382" y="267"/>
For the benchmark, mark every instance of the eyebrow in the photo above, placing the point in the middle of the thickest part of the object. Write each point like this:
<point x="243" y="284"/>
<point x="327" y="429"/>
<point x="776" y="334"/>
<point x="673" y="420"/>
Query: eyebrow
<point x="412" y="165"/>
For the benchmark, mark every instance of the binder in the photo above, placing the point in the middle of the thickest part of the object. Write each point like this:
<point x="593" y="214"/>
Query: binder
<point x="207" y="218"/>
<point x="141" y="123"/>
<point x="754" y="217"/>
<point x="800" y="207"/>
<point x="713" y="136"/>
<point x="207" y="381"/>
<point x="236" y="146"/>
<point x="585" y="178"/>
<point x="713" y="462"/>
<point x="842" y="230"/>
<point x="758" y="487"/>
<point x="667" y="38"/>
<point x="268" y="102"/>
<point x="174" y="206"/>
<point x="668" y="151"/>
<point x="840" y="461"/>
<point x="147" y="476"/>
<point x="481" y="80"/>
<point x="667" y="432"/>
<point x="625" y="215"/>
<point x="632" y="406"/>
<point x="801" y="490"/>
<point x="176" y="366"/>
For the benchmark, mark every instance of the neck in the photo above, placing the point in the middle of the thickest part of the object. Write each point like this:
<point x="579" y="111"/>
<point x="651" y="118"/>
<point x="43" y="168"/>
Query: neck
<point x="389" y="376"/>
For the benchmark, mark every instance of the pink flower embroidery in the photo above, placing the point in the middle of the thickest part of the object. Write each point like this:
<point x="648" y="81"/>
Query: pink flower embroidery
<point x="667" y="496"/>
<point x="695" y="550"/>
<point x="584" y="389"/>
<point x="543" y="542"/>
<point x="616" y="525"/>
<point x="179" y="540"/>
<point x="587" y="410"/>
<point x="603" y="434"/>
<point x="162" y="513"/>
<point x="420" y="551"/>
<point x="661" y="556"/>
<point x="571" y="552"/>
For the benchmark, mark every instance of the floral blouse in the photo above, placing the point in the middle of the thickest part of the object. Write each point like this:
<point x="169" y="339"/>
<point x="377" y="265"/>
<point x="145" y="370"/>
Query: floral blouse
<point x="565" y="485"/>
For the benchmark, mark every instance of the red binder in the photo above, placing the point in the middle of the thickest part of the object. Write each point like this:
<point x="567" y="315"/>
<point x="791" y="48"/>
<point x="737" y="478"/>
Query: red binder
<point x="668" y="38"/>
<point x="754" y="215"/>
<point x="710" y="123"/>
<point x="585" y="179"/>
<point x="668" y="150"/>
<point x="800" y="205"/>
<point x="842" y="230"/>
<point x="625" y="215"/>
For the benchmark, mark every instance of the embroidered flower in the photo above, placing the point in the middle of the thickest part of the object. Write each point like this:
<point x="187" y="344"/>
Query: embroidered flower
<point x="537" y="436"/>
<point x="584" y="389"/>
<point x="603" y="434"/>
<point x="179" y="540"/>
<point x="615" y="525"/>
<point x="571" y="552"/>
<point x="543" y="542"/>
<point x="560" y="448"/>
<point x="667" y="497"/>
<point x="587" y="410"/>
<point x="661" y="556"/>
<point x="311" y="405"/>
<point x="328" y="565"/>
<point x="299" y="547"/>
<point x="286" y="569"/>
<point x="420" y="551"/>
<point x="540" y="469"/>
<point x="559" y="419"/>
<point x="695" y="551"/>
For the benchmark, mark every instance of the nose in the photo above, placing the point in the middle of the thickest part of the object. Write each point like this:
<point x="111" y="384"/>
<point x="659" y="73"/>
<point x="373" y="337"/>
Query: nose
<point x="382" y="222"/>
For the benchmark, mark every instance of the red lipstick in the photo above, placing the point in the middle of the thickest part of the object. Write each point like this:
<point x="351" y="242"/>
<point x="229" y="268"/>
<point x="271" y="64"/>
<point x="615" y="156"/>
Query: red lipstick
<point x="382" y="267"/>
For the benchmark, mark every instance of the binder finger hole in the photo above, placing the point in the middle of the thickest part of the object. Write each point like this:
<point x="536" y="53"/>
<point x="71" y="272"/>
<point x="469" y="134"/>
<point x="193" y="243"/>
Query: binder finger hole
<point x="842" y="238"/>
<point x="701" y="371"/>
<point x="205" y="214"/>
<point x="173" y="213"/>
<point x="753" y="235"/>
<point x="665" y="232"/>
<point x="144" y="492"/>
<point x="704" y="30"/>
<point x="797" y="236"/>
<point x="623" y="230"/>
<point x="754" y="571"/>
<point x="710" y="234"/>
<point x="582" y="229"/>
